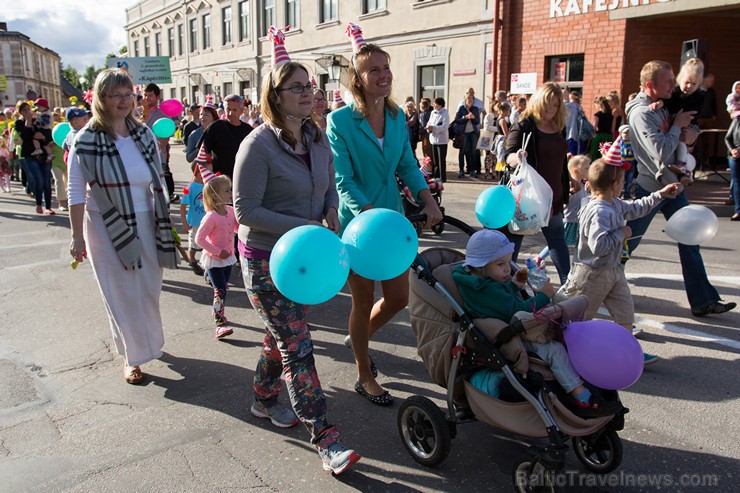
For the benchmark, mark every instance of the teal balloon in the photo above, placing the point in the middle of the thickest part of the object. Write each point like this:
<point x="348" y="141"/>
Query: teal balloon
<point x="59" y="133"/>
<point x="164" y="128"/>
<point x="309" y="264"/>
<point x="495" y="207"/>
<point x="381" y="243"/>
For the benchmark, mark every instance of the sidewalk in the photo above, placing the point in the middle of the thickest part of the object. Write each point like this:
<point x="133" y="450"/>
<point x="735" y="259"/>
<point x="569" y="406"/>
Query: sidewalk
<point x="711" y="190"/>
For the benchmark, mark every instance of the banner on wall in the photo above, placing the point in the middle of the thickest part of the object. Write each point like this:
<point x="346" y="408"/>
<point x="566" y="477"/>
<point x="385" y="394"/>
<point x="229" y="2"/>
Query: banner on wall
<point x="524" y="83"/>
<point x="145" y="69"/>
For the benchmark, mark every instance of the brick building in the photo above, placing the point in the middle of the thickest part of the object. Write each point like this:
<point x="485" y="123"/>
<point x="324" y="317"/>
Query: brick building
<point x="601" y="45"/>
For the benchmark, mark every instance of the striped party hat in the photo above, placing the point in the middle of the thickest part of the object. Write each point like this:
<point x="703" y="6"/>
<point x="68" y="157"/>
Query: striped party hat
<point x="355" y="35"/>
<point x="279" y="53"/>
<point x="612" y="154"/>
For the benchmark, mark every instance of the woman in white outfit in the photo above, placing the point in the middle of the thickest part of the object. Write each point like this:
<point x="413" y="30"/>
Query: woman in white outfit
<point x="120" y="219"/>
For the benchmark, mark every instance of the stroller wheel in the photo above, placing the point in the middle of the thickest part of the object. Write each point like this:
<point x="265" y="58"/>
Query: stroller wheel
<point x="424" y="430"/>
<point x="531" y="475"/>
<point x="438" y="228"/>
<point x="601" y="452"/>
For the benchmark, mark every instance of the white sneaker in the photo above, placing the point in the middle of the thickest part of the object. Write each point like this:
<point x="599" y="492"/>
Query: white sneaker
<point x="636" y="331"/>
<point x="281" y="416"/>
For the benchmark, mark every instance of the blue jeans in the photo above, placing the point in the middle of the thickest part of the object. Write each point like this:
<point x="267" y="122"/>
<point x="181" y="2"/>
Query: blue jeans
<point x="27" y="176"/>
<point x="41" y="173"/>
<point x="629" y="176"/>
<point x="734" y="190"/>
<point x="557" y="357"/>
<point x="698" y="289"/>
<point x="555" y="237"/>
<point x="219" y="277"/>
<point x="469" y="153"/>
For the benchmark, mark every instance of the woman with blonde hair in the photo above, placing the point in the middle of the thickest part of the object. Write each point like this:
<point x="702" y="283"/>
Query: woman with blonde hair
<point x="370" y="145"/>
<point x="119" y="217"/>
<point x="547" y="152"/>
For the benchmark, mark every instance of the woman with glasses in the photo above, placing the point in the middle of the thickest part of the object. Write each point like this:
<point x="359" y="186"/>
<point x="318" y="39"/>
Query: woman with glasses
<point x="284" y="178"/>
<point x="371" y="144"/>
<point x="319" y="107"/>
<point x="120" y="219"/>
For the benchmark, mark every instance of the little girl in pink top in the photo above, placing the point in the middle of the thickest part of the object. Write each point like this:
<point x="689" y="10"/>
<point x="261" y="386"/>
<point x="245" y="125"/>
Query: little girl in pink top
<point x="216" y="237"/>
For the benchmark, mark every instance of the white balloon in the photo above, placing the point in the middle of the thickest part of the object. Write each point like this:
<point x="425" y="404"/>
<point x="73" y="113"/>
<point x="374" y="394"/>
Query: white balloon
<point x="692" y="225"/>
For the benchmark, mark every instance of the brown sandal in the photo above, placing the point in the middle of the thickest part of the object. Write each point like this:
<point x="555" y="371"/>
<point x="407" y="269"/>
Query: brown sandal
<point x="133" y="375"/>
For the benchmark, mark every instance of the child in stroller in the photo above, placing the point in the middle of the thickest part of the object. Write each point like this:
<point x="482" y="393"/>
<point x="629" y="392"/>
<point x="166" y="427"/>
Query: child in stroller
<point x="489" y="291"/>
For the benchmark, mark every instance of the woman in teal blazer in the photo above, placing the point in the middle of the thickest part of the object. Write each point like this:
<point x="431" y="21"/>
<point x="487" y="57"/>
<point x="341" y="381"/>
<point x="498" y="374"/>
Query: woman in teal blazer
<point x="370" y="144"/>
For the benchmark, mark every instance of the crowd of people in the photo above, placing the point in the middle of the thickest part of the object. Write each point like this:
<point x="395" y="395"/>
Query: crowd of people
<point x="293" y="161"/>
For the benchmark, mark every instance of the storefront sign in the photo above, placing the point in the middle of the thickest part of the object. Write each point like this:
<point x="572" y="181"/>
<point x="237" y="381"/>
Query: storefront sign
<point x="564" y="8"/>
<point x="144" y="70"/>
<point x="523" y="83"/>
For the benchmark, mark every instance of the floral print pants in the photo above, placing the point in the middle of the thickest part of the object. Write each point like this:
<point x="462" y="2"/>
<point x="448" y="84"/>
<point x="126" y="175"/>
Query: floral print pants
<point x="287" y="348"/>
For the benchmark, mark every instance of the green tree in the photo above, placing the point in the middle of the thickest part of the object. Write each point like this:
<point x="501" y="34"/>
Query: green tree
<point x="72" y="75"/>
<point x="88" y="76"/>
<point x="123" y="51"/>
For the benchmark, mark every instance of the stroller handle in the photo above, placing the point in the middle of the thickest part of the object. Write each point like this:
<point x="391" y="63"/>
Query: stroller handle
<point x="422" y="218"/>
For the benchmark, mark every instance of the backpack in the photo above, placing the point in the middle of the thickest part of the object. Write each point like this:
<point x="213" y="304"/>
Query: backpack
<point x="585" y="129"/>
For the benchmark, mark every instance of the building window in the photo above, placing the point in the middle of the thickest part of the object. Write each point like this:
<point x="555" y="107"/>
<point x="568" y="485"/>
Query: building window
<point x="146" y="46"/>
<point x="268" y="16"/>
<point x="226" y="28"/>
<point x="293" y="13"/>
<point x="208" y="89"/>
<point x="372" y="5"/>
<point x="328" y="11"/>
<point x="244" y="88"/>
<point x="432" y="81"/>
<point x="180" y="39"/>
<point x="243" y="21"/>
<point x="171" y="41"/>
<point x="206" y="31"/>
<point x="193" y="35"/>
<point x="136" y="48"/>
<point x="566" y="70"/>
<point x="228" y="87"/>
<point x="173" y="93"/>
<point x="157" y="44"/>
<point x="183" y="94"/>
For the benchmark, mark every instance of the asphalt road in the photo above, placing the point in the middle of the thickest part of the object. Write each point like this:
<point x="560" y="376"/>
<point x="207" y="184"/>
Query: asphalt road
<point x="69" y="423"/>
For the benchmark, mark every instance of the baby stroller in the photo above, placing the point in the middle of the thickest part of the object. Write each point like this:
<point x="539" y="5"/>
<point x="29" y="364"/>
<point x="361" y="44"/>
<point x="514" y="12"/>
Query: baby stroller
<point x="413" y="208"/>
<point x="453" y="346"/>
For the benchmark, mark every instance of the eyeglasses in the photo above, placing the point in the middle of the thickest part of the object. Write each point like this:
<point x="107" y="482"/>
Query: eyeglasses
<point x="119" y="97"/>
<point x="298" y="88"/>
<point x="319" y="100"/>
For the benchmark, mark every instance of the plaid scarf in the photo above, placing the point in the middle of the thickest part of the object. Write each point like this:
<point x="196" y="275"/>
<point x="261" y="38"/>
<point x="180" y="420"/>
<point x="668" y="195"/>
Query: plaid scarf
<point x="104" y="171"/>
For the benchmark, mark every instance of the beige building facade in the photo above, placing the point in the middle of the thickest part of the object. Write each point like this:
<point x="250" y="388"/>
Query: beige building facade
<point x="27" y="70"/>
<point x="437" y="47"/>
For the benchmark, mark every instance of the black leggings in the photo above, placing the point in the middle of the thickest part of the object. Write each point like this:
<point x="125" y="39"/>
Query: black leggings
<point x="439" y="161"/>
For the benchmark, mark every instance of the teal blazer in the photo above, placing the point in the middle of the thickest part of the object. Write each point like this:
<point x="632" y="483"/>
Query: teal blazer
<point x="365" y="172"/>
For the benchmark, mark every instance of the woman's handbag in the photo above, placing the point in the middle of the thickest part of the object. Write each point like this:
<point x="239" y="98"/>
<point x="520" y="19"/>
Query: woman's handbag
<point x="533" y="197"/>
<point x="485" y="141"/>
<point x="459" y="141"/>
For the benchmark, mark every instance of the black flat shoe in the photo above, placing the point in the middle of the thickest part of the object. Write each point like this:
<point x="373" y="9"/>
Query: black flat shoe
<point x="714" y="308"/>
<point x="373" y="368"/>
<point x="384" y="399"/>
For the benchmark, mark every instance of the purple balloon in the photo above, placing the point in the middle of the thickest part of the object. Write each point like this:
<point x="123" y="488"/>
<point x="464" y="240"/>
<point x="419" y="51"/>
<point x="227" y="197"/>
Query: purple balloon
<point x="171" y="107"/>
<point x="604" y="353"/>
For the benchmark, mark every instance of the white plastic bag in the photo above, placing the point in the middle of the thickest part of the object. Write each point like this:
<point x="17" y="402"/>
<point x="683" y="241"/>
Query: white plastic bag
<point x="533" y="197"/>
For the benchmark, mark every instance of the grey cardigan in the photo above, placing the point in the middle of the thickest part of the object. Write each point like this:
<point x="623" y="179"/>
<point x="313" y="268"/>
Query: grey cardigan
<point x="274" y="191"/>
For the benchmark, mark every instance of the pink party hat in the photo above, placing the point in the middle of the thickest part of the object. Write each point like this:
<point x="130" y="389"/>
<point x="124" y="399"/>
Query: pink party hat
<point x="279" y="54"/>
<point x="338" y="96"/>
<point x="209" y="102"/>
<point x="355" y="34"/>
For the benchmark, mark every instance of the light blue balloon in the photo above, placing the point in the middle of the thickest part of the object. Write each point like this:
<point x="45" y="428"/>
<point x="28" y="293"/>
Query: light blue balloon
<point x="381" y="243"/>
<point x="164" y="128"/>
<point x="60" y="133"/>
<point x="309" y="264"/>
<point x="495" y="207"/>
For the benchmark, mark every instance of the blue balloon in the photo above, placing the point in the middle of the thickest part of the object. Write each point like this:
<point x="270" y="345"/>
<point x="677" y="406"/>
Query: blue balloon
<point x="495" y="207"/>
<point x="164" y="128"/>
<point x="381" y="244"/>
<point x="309" y="264"/>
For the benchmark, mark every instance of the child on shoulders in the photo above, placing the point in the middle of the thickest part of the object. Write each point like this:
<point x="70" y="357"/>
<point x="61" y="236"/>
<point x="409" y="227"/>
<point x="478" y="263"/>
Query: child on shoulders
<point x="488" y="291"/>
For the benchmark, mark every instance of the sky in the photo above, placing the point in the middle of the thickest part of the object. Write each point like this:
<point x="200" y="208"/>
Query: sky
<point x="82" y="32"/>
